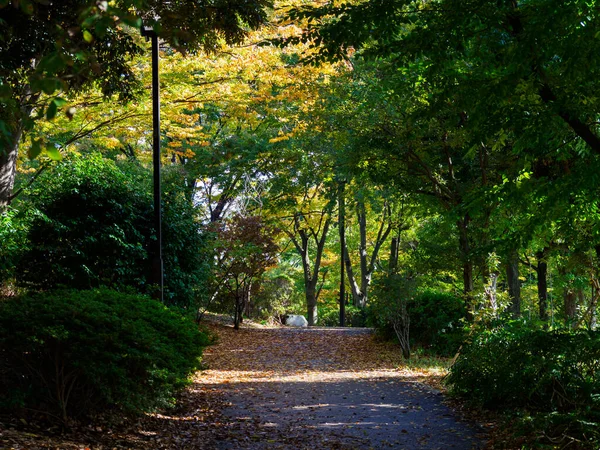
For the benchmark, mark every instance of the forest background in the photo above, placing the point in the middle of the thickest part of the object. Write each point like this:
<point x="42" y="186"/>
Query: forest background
<point x="436" y="160"/>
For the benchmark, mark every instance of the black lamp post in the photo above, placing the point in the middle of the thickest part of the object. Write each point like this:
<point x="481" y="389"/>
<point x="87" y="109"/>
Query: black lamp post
<point x="157" y="260"/>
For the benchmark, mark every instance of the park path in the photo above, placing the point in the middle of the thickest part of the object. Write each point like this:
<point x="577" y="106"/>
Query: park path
<point x="280" y="388"/>
<point x="324" y="388"/>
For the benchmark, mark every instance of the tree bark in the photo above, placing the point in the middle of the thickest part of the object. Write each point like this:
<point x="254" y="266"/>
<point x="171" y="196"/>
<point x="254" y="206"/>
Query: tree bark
<point x="342" y="230"/>
<point x="514" y="284"/>
<point x="8" y="167"/>
<point x="360" y="293"/>
<point x="365" y="273"/>
<point x="465" y="250"/>
<point x="393" y="262"/>
<point x="312" y="312"/>
<point x="542" y="283"/>
<point x="570" y="304"/>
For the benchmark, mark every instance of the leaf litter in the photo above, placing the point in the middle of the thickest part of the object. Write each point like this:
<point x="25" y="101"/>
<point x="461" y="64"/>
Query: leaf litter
<point x="281" y="388"/>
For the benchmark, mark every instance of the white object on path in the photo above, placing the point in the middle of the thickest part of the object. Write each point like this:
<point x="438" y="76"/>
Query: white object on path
<point x="295" y="320"/>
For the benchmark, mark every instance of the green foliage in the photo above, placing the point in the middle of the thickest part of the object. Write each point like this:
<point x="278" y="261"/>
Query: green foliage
<point x="93" y="228"/>
<point x="435" y="318"/>
<point x="72" y="353"/>
<point x="388" y="311"/>
<point x="92" y="225"/>
<point x="12" y="242"/>
<point x="330" y="317"/>
<point x="185" y="252"/>
<point x="436" y="321"/>
<point x="277" y="294"/>
<point x="555" y="374"/>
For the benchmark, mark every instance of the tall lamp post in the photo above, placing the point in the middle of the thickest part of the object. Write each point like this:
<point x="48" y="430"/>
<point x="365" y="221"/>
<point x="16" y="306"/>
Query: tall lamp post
<point x="157" y="260"/>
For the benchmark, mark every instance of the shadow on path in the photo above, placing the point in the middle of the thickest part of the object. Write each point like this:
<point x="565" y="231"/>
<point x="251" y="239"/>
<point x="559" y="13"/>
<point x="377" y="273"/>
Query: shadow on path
<point x="324" y="388"/>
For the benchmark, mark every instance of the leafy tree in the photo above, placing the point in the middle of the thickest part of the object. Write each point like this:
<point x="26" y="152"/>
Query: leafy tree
<point x="68" y="47"/>
<point x="245" y="249"/>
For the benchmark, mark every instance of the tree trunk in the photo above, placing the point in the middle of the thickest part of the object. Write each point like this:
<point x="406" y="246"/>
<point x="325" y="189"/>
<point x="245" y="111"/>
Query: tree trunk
<point x="354" y="287"/>
<point x="514" y="284"/>
<point x="570" y="304"/>
<point x="360" y="293"/>
<point x="312" y="313"/>
<point x="465" y="250"/>
<point x="342" y="230"/>
<point x="592" y="316"/>
<point x="8" y="168"/>
<point x="393" y="262"/>
<point x="311" y="277"/>
<point x="237" y="314"/>
<point x="365" y="273"/>
<point x="542" y="283"/>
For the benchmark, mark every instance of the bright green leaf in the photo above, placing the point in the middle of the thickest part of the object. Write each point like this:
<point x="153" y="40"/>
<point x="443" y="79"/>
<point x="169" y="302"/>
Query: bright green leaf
<point x="60" y="102"/>
<point x="53" y="153"/>
<point x="87" y="36"/>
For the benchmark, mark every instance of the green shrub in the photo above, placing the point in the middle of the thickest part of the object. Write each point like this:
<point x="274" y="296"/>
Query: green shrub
<point x="435" y="317"/>
<point x="73" y="353"/>
<point x="94" y="226"/>
<point x="330" y="317"/>
<point x="555" y="374"/>
<point x="436" y="321"/>
<point x="185" y="247"/>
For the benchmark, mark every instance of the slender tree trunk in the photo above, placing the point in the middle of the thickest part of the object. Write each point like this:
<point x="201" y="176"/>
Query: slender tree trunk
<point x="542" y="283"/>
<point x="360" y="293"/>
<point x="354" y="287"/>
<point x="514" y="284"/>
<point x="237" y="314"/>
<point x="8" y="168"/>
<point x="311" y="276"/>
<point x="365" y="273"/>
<point x="393" y="262"/>
<point x="592" y="314"/>
<point x="465" y="250"/>
<point x="342" y="230"/>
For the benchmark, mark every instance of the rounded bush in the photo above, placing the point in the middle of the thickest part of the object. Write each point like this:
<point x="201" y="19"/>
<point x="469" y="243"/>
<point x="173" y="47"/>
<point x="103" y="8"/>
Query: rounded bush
<point x="435" y="321"/>
<point x="71" y="353"/>
<point x="91" y="224"/>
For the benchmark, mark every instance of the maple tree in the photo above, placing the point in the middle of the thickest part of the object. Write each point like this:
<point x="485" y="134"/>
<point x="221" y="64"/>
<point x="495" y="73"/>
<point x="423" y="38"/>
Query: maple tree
<point x="246" y="248"/>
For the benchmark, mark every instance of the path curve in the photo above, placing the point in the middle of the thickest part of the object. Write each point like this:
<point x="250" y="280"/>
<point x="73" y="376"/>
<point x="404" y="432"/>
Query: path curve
<point x="324" y="388"/>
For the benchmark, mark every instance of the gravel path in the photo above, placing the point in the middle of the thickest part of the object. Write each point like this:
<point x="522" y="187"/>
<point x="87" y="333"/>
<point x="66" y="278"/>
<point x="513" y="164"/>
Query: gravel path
<point x="324" y="388"/>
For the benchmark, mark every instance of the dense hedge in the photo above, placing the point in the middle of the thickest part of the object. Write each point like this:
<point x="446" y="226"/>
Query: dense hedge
<point x="554" y="374"/>
<point x="436" y="318"/>
<point x="73" y="353"/>
<point x="436" y="321"/>
<point x="330" y="317"/>
<point x="90" y="223"/>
